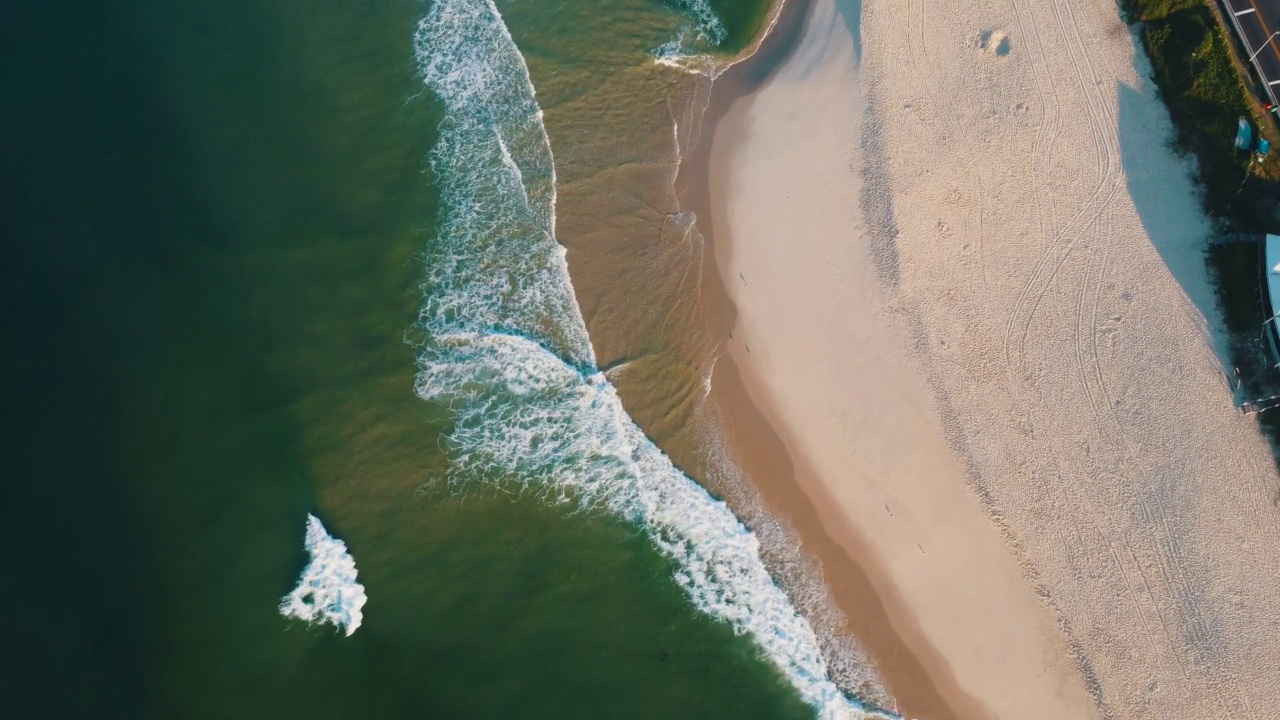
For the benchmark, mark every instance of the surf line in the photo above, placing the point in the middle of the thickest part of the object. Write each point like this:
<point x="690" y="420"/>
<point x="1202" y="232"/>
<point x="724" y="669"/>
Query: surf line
<point x="506" y="350"/>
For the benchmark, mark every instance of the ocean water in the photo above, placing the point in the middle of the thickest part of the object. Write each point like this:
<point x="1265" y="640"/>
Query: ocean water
<point x="270" y="261"/>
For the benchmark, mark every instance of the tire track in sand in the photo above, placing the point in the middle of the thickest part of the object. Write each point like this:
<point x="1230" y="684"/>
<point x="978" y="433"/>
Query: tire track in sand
<point x="1059" y="248"/>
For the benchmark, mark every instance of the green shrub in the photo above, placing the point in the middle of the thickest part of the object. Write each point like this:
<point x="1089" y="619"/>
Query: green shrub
<point x="1202" y="89"/>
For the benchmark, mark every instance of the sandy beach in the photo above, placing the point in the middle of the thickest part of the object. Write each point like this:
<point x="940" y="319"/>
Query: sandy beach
<point x="973" y="363"/>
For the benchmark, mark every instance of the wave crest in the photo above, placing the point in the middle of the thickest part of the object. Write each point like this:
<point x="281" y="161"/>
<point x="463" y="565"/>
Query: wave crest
<point x="507" y="350"/>
<point x="327" y="591"/>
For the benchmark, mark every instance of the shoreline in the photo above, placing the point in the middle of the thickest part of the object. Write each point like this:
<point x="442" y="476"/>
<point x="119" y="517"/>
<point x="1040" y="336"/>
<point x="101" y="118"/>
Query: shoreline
<point x="912" y="653"/>
<point x="1005" y="333"/>
<point x="914" y="674"/>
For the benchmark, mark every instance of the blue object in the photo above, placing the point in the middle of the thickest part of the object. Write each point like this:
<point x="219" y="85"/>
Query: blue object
<point x="1264" y="147"/>
<point x="1244" y="135"/>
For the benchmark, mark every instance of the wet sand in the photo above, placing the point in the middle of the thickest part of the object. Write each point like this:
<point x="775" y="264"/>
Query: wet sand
<point x="833" y="420"/>
<point x="970" y="362"/>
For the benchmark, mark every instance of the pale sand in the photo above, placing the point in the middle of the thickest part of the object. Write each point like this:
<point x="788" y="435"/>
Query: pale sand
<point x="972" y="315"/>
<point x="829" y="365"/>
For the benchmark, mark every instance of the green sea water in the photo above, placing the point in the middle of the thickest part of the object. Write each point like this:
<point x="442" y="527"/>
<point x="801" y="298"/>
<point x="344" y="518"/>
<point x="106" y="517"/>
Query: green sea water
<point x="218" y="217"/>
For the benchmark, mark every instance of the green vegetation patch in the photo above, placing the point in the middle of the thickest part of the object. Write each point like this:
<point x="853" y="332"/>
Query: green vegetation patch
<point x="1206" y="94"/>
<point x="1202" y="89"/>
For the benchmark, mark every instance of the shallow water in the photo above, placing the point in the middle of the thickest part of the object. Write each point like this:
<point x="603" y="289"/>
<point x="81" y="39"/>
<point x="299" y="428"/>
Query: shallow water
<point x="227" y="216"/>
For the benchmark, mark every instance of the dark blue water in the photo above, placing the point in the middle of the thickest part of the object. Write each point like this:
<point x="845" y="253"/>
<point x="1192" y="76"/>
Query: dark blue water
<point x="216" y="220"/>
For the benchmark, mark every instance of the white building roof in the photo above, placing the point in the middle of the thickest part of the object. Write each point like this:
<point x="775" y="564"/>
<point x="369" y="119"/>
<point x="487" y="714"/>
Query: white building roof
<point x="1273" y="273"/>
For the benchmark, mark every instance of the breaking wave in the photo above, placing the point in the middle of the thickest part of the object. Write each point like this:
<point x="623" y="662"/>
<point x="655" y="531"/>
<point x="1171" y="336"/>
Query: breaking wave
<point x="688" y="49"/>
<point x="708" y="27"/>
<point x="327" y="591"/>
<point x="507" y="350"/>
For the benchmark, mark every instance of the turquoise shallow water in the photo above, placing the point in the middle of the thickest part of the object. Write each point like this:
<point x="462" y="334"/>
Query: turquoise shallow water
<point x="222" y="218"/>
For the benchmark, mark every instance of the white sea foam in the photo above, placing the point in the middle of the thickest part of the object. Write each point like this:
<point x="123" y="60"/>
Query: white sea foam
<point x="676" y="53"/>
<point x="327" y="591"/>
<point x="709" y="27"/>
<point x="508" y="352"/>
<point x="677" y="50"/>
<point x="688" y="49"/>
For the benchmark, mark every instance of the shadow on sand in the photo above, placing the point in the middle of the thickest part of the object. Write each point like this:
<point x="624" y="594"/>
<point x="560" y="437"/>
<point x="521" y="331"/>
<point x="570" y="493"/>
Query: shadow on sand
<point x="1174" y="220"/>
<point x="1221" y="276"/>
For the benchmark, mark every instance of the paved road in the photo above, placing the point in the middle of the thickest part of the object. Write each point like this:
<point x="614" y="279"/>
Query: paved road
<point x="1258" y="20"/>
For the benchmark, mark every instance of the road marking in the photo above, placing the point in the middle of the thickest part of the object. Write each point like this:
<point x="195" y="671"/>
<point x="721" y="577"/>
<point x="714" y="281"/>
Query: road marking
<point x="1270" y="40"/>
<point x="1244" y="12"/>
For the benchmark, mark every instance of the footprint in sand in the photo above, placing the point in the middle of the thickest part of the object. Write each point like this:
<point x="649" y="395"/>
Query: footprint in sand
<point x="995" y="42"/>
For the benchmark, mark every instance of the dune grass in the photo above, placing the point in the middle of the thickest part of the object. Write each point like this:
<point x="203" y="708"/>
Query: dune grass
<point x="1203" y="79"/>
<point x="1206" y="93"/>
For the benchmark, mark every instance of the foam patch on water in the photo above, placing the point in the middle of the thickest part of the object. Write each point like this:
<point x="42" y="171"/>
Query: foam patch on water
<point x="495" y="265"/>
<point x="327" y="591"/>
<point x="678" y="53"/>
<point x="708" y="27"/>
<point x="508" y="351"/>
<point x="688" y="49"/>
